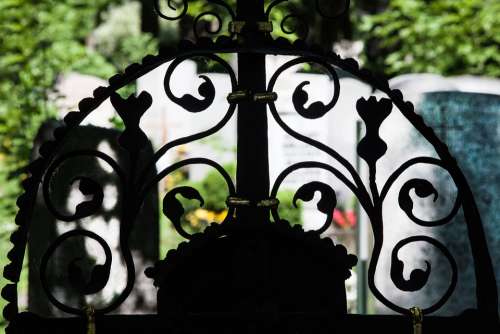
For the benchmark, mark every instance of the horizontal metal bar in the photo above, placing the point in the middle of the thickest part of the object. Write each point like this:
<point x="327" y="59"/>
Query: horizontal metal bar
<point x="296" y="322"/>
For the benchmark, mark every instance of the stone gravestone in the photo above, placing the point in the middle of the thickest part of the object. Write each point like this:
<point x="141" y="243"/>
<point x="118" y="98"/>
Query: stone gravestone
<point x="470" y="125"/>
<point x="144" y="241"/>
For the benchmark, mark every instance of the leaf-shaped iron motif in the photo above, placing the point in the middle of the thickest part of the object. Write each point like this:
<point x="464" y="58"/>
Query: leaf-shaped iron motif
<point x="88" y="187"/>
<point x="325" y="205"/>
<point x="317" y="109"/>
<point x="300" y="97"/>
<point x="423" y="189"/>
<point x="418" y="277"/>
<point x="371" y="148"/>
<point x="173" y="209"/>
<point x="98" y="277"/>
<point x="131" y="110"/>
<point x="191" y="103"/>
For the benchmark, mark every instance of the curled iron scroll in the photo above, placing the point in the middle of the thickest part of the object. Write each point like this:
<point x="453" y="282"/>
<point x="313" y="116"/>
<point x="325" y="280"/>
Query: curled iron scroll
<point x="306" y="192"/>
<point x="206" y="89"/>
<point x="418" y="277"/>
<point x="198" y="19"/>
<point x="299" y="26"/>
<point x="172" y="207"/>
<point x="423" y="188"/>
<point x="197" y="136"/>
<point x="300" y="97"/>
<point x="172" y="4"/>
<point x="300" y="20"/>
<point x="87" y="186"/>
<point x="99" y="275"/>
<point x="316" y="110"/>
<point x="180" y="8"/>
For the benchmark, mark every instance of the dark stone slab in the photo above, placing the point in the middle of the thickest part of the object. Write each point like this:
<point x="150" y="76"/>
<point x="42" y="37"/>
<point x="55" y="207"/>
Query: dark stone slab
<point x="144" y="240"/>
<point x="470" y="125"/>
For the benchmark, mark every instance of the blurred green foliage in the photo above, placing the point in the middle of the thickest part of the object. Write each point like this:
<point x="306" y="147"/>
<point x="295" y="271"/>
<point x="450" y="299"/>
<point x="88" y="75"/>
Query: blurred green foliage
<point x="39" y="42"/>
<point x="447" y="37"/>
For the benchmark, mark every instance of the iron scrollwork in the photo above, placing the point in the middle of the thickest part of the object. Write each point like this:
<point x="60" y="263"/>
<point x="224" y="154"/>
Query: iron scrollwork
<point x="300" y="26"/>
<point x="181" y="10"/>
<point x="172" y="207"/>
<point x="317" y="110"/>
<point x="138" y="180"/>
<point x="291" y="24"/>
<point x="371" y="148"/>
<point x="135" y="186"/>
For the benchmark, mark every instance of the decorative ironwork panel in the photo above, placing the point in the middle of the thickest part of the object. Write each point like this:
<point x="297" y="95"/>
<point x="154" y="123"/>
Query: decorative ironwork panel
<point x="244" y="262"/>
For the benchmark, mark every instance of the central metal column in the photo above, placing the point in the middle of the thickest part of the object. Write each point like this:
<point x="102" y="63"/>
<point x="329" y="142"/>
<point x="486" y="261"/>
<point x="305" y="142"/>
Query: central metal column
<point x="252" y="176"/>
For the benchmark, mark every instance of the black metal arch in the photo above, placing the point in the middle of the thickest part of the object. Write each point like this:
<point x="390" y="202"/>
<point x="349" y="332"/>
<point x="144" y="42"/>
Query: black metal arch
<point x="251" y="201"/>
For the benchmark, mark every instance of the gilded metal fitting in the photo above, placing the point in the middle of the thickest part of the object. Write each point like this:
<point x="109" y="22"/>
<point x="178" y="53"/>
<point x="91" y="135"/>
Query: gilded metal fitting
<point x="265" y="26"/>
<point x="90" y="314"/>
<point x="417" y="318"/>
<point x="268" y="203"/>
<point x="236" y="27"/>
<point x="265" y="97"/>
<point x="238" y="95"/>
<point x="239" y="202"/>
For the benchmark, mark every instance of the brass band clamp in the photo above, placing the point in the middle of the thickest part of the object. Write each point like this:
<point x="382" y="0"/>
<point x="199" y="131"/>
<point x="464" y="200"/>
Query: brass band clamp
<point x="237" y="96"/>
<point x="417" y="318"/>
<point x="242" y="95"/>
<point x="268" y="203"/>
<point x="90" y="314"/>
<point x="265" y="97"/>
<point x="236" y="27"/>
<point x="265" y="26"/>
<point x="233" y="201"/>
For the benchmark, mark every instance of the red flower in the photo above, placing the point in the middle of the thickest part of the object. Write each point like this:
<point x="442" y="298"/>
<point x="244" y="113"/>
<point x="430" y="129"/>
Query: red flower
<point x="344" y="219"/>
<point x="351" y="218"/>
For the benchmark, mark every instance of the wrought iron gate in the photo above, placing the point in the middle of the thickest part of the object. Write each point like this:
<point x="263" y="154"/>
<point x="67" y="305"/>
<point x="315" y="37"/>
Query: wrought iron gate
<point x="255" y="297"/>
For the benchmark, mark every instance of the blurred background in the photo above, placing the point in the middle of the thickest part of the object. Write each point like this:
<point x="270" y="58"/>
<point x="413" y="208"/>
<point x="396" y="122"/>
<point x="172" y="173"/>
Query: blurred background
<point x="443" y="54"/>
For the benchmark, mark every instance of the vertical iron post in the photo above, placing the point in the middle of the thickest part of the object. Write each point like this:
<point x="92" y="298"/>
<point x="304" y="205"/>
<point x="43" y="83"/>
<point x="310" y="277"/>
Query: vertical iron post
<point x="252" y="177"/>
<point x="361" y="244"/>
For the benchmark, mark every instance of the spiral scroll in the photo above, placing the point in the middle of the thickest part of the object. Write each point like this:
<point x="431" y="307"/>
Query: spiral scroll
<point x="99" y="275"/>
<point x="209" y="92"/>
<point x="423" y="188"/>
<point x="299" y="25"/>
<point x="418" y="277"/>
<point x="87" y="186"/>
<point x="207" y="29"/>
<point x="316" y="110"/>
<point x="306" y="192"/>
<point x="181" y="9"/>
<point x="300" y="19"/>
<point x="172" y="207"/>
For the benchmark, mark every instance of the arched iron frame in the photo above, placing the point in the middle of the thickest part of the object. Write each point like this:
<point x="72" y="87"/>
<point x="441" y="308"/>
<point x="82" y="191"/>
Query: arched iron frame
<point x="251" y="95"/>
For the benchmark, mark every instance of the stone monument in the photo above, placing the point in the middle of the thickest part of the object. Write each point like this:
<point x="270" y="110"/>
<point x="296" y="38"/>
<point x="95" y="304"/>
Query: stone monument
<point x="144" y="241"/>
